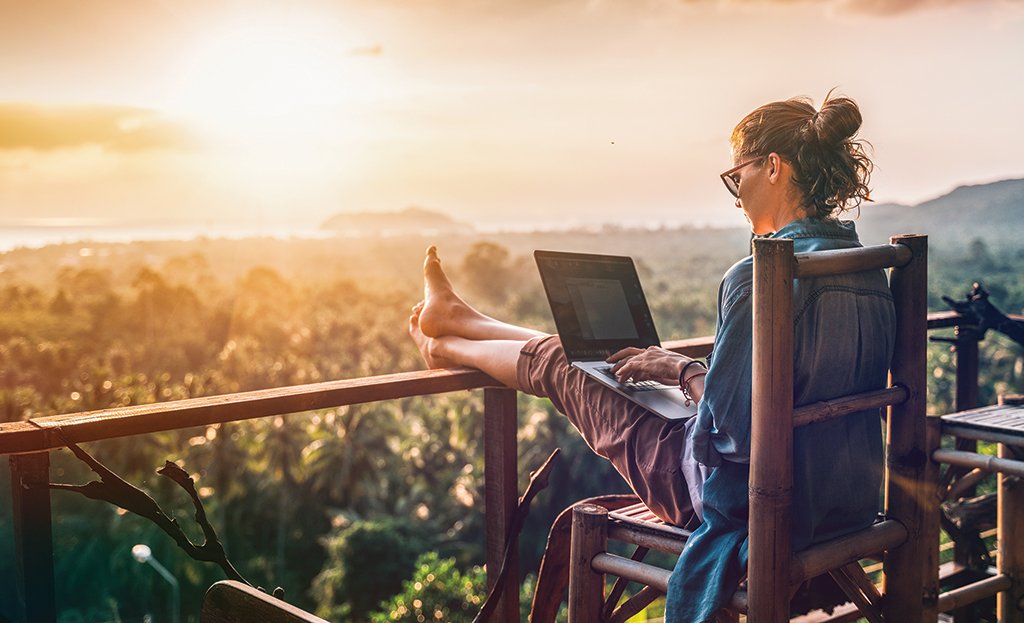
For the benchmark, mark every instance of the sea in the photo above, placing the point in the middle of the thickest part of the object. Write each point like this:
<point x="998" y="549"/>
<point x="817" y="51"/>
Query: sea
<point x="34" y="236"/>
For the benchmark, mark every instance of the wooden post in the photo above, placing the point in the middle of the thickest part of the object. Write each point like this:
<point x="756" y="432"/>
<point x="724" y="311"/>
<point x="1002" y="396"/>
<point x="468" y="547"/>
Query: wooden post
<point x="500" y="493"/>
<point x="911" y="577"/>
<point x="966" y="398"/>
<point x="771" y="439"/>
<point x="588" y="538"/>
<point x="33" y="535"/>
<point x="1010" y="526"/>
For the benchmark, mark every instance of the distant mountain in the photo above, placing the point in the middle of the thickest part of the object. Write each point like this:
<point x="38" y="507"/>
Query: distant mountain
<point x="408" y="221"/>
<point x="993" y="212"/>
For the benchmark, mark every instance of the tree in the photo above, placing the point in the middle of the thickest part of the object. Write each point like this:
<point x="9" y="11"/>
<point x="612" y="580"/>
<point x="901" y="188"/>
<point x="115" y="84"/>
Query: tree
<point x="487" y="271"/>
<point x="437" y="592"/>
<point x="365" y="565"/>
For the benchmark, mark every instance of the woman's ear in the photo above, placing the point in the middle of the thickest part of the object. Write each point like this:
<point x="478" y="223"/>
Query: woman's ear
<point x="774" y="167"/>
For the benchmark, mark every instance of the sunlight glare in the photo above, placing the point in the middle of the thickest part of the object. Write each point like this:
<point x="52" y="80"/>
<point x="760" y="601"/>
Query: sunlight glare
<point x="274" y="94"/>
<point x="277" y="76"/>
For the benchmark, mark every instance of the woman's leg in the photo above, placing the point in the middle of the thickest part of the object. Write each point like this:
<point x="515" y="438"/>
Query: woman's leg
<point x="644" y="449"/>
<point x="498" y="358"/>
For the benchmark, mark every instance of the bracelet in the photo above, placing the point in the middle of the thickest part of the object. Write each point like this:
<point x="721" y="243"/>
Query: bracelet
<point x="682" y="373"/>
<point x="688" y="399"/>
<point x="684" y="382"/>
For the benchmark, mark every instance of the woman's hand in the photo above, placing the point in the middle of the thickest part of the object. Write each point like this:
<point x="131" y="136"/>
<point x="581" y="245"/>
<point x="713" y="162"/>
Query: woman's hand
<point x="648" y="364"/>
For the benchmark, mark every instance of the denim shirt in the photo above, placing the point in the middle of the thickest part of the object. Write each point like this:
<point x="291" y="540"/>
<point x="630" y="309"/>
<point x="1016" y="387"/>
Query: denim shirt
<point x="844" y="330"/>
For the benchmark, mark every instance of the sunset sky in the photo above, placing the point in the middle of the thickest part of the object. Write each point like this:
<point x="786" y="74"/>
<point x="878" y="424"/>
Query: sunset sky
<point x="500" y="111"/>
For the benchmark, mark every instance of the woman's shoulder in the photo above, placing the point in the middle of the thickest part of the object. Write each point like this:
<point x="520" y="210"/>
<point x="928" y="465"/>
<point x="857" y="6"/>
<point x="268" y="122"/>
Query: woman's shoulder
<point x="740" y="275"/>
<point x="737" y="283"/>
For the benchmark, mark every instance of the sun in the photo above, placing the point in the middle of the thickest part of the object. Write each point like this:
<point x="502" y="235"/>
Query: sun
<point x="275" y="97"/>
<point x="267" y="76"/>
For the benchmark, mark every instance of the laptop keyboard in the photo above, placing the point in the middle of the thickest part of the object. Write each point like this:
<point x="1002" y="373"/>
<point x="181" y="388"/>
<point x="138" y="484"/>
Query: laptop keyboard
<point x="639" y="386"/>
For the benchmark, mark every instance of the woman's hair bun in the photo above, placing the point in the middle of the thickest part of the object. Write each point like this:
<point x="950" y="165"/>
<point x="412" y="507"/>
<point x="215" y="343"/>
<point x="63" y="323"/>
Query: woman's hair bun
<point x="830" y="165"/>
<point x="838" y="120"/>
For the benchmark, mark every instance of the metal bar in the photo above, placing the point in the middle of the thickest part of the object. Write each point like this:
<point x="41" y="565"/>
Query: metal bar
<point x="839" y="261"/>
<point x="500" y="493"/>
<point x="33" y="535"/>
<point x="980" y="461"/>
<point x="838" y="407"/>
<point x="971" y="593"/>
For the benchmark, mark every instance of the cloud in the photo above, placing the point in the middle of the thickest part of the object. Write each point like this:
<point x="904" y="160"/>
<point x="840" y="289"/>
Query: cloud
<point x="897" y="7"/>
<point x="113" y="128"/>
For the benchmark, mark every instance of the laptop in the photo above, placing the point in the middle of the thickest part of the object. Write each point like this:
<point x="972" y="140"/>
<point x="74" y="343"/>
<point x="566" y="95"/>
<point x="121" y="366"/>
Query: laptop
<point x="599" y="309"/>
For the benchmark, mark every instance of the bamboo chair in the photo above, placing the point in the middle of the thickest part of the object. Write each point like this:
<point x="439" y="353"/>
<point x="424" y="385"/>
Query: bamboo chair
<point x="907" y="536"/>
<point x="233" y="602"/>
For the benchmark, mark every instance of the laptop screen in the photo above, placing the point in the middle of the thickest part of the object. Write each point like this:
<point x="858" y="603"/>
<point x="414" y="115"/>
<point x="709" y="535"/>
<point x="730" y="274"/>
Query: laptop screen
<point x="598" y="304"/>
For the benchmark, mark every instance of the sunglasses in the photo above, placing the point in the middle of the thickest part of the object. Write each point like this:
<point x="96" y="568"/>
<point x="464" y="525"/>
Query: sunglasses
<point x="732" y="180"/>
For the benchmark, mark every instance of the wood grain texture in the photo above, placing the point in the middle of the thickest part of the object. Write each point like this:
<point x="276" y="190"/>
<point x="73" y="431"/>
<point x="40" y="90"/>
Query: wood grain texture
<point x="911" y="592"/>
<point x="771" y="439"/>
<point x="1010" y="526"/>
<point x="839" y="261"/>
<point x="500" y="493"/>
<point x="586" y="586"/>
<point x="45" y="433"/>
<point x="233" y="602"/>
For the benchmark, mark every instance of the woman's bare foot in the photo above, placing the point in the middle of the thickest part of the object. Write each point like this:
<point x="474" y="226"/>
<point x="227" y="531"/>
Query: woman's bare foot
<point x="445" y="313"/>
<point x="425" y="343"/>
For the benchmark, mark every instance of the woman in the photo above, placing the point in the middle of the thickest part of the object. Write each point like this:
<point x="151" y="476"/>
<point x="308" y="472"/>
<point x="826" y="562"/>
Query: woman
<point x="795" y="169"/>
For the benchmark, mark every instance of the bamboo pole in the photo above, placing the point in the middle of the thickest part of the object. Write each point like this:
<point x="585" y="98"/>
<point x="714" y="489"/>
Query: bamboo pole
<point x="588" y="539"/>
<point x="839" y="261"/>
<point x="667" y="544"/>
<point x="973" y="592"/>
<point x="771" y="439"/>
<point x="1010" y="526"/>
<point x="818" y="559"/>
<point x="985" y="462"/>
<point x="838" y="407"/>
<point x="911" y="588"/>
<point x="632" y="570"/>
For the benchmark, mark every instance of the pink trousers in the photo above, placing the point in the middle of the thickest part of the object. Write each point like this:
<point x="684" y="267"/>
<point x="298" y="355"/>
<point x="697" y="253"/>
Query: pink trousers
<point x="642" y="447"/>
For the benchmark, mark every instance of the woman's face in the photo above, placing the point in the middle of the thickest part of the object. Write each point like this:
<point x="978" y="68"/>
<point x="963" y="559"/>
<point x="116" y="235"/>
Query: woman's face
<point x="750" y="181"/>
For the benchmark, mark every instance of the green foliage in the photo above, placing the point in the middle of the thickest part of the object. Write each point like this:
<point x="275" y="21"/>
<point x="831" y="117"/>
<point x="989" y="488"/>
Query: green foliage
<point x="437" y="592"/>
<point x="366" y="563"/>
<point x="157" y="321"/>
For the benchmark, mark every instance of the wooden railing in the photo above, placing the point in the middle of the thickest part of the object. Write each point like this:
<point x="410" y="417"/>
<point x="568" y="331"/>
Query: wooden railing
<point x="29" y="442"/>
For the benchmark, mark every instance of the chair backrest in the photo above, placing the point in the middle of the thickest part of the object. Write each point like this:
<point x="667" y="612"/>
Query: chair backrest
<point x="910" y="566"/>
<point x="233" y="602"/>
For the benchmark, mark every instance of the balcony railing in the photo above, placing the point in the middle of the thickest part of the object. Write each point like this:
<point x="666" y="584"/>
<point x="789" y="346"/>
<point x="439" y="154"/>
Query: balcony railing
<point x="29" y="442"/>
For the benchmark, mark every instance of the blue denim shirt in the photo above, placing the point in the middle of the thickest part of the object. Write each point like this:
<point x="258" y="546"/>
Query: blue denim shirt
<point x="844" y="335"/>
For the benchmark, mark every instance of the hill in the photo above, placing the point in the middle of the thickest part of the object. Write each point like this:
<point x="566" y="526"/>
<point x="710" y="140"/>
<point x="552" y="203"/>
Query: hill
<point x="408" y="221"/>
<point x="992" y="212"/>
